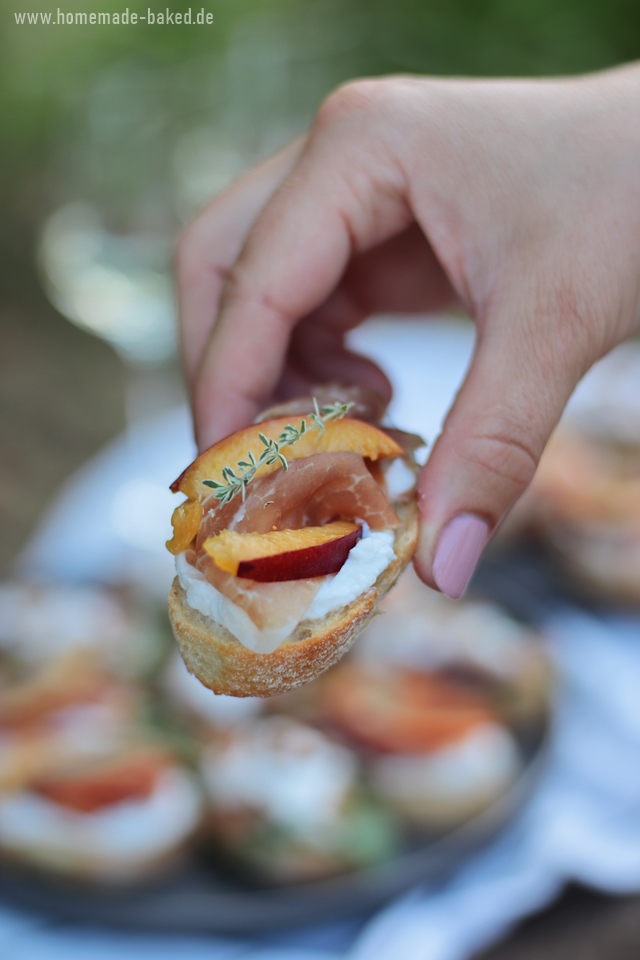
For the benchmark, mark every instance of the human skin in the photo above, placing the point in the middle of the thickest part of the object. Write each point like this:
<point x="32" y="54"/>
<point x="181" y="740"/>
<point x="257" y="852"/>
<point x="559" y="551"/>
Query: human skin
<point x="518" y="200"/>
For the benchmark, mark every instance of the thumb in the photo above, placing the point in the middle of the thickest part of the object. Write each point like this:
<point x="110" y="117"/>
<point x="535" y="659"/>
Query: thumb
<point x="490" y="445"/>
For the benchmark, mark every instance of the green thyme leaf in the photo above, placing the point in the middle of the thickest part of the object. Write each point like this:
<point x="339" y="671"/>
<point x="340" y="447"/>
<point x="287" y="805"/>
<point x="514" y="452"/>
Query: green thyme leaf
<point x="235" y="483"/>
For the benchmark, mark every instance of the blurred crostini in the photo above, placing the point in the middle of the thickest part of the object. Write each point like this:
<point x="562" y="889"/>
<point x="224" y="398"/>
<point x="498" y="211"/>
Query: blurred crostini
<point x="435" y="748"/>
<point x="114" y="817"/>
<point x="42" y="621"/>
<point x="286" y="804"/>
<point x="89" y="790"/>
<point x="586" y="497"/>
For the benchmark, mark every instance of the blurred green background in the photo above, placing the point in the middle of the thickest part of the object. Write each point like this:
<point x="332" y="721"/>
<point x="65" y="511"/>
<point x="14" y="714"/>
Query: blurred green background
<point x="112" y="137"/>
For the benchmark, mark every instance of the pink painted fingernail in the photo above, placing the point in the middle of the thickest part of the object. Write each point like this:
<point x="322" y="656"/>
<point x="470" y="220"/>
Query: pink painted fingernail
<point x="458" y="551"/>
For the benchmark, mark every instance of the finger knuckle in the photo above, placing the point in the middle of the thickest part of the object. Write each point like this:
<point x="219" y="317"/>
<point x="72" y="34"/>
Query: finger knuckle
<point x="351" y="99"/>
<point x="241" y="294"/>
<point x="194" y="258"/>
<point x="502" y="452"/>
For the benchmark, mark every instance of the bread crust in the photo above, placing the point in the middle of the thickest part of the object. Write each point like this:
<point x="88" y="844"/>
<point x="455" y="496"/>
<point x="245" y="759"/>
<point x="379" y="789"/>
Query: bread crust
<point x="218" y="659"/>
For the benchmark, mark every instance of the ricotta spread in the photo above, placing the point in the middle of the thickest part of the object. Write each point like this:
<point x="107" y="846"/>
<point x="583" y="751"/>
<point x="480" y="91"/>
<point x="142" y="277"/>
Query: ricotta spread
<point x="477" y="767"/>
<point x="294" y="774"/>
<point x="366" y="561"/>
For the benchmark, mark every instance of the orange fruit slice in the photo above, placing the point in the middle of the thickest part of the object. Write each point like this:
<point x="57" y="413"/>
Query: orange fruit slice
<point x="284" y="554"/>
<point x="339" y="436"/>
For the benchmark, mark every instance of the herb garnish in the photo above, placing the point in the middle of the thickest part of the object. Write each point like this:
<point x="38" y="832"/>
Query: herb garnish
<point x="236" y="483"/>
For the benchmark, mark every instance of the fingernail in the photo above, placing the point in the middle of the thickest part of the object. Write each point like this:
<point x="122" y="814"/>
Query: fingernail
<point x="458" y="551"/>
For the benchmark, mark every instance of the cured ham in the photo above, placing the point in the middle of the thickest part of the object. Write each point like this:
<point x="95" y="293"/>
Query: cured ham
<point x="313" y="491"/>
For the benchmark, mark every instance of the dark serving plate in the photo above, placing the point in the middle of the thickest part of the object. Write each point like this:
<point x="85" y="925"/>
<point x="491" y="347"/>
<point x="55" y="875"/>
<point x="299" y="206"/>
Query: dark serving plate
<point x="204" y="898"/>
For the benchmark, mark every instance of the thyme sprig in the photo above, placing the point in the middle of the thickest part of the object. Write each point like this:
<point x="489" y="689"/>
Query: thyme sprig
<point x="236" y="482"/>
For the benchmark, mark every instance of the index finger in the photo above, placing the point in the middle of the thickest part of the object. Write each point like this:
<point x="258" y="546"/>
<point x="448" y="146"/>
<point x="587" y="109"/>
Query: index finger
<point x="295" y="255"/>
<point x="210" y="245"/>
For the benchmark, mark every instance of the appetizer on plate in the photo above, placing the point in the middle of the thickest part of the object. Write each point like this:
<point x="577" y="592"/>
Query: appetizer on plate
<point x="56" y="710"/>
<point x="584" y="501"/>
<point x="87" y="788"/>
<point x="437" y="750"/>
<point x="292" y="530"/>
<point x="112" y="817"/>
<point x="586" y="497"/>
<point x="471" y="638"/>
<point x="40" y="621"/>
<point x="286" y="803"/>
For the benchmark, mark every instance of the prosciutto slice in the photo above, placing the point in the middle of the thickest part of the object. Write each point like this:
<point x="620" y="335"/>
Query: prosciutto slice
<point x="313" y="491"/>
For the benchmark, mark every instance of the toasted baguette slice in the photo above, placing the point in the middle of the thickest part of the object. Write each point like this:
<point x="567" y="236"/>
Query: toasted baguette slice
<point x="222" y="663"/>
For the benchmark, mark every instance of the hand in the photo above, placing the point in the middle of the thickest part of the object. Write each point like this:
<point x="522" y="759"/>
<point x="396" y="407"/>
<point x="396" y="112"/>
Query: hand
<point x="519" y="200"/>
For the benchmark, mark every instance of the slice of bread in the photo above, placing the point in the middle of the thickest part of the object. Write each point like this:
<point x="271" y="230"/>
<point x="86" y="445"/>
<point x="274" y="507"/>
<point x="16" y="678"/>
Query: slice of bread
<point x="218" y="659"/>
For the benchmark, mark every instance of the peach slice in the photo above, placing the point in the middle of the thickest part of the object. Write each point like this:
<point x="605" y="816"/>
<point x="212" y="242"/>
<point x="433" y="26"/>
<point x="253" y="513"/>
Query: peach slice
<point x="105" y="783"/>
<point x="186" y="522"/>
<point x="339" y="436"/>
<point x="401" y="711"/>
<point x="284" y="554"/>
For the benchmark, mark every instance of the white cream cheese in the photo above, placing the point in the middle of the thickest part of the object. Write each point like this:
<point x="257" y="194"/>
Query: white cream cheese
<point x="470" y="771"/>
<point x="363" y="566"/>
<point x="294" y="774"/>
